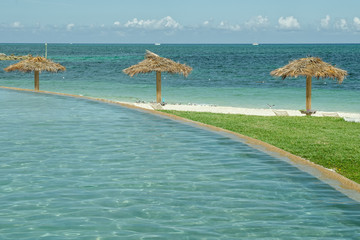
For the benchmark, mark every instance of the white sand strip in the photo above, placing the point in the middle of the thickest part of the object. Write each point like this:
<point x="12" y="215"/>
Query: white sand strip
<point x="355" y="117"/>
<point x="350" y="117"/>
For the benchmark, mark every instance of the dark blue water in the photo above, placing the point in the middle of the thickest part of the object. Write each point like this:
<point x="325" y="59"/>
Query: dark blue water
<point x="231" y="75"/>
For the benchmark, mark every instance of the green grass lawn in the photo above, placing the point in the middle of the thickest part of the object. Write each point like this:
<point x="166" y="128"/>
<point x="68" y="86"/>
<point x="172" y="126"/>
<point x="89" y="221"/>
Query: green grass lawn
<point x="327" y="141"/>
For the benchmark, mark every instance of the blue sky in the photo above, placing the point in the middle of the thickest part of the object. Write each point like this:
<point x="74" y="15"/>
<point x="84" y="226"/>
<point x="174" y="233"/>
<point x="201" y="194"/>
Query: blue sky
<point x="185" y="21"/>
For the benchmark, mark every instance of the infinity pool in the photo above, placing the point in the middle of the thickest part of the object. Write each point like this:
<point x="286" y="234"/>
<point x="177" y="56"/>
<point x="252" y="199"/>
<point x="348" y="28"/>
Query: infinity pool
<point x="79" y="169"/>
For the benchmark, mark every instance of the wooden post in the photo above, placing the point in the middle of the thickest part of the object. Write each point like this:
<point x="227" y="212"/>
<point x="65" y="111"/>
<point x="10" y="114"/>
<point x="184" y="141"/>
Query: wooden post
<point x="158" y="87"/>
<point x="45" y="50"/>
<point x="36" y="78"/>
<point x="308" y="93"/>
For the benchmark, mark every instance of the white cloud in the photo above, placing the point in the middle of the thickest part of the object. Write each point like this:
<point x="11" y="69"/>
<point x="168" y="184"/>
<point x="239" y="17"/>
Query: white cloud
<point x="70" y="26"/>
<point x="168" y="22"/>
<point x="164" y="23"/>
<point x="137" y="23"/>
<point x="257" y="22"/>
<point x="223" y="25"/>
<point x="288" y="23"/>
<point x="226" y="26"/>
<point x="117" y="23"/>
<point x="356" y="21"/>
<point x="208" y="24"/>
<point x="16" y="25"/>
<point x="325" y="22"/>
<point x="341" y="25"/>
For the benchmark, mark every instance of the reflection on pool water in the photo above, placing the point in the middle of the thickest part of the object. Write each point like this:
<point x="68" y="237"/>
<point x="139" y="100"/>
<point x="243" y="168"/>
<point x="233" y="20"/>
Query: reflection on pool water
<point x="79" y="169"/>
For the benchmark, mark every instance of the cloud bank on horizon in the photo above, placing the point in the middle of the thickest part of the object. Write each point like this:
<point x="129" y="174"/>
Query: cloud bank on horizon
<point x="255" y="23"/>
<point x="171" y="25"/>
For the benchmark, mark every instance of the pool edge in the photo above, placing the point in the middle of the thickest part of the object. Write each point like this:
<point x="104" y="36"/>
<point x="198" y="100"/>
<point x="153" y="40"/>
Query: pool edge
<point x="325" y="174"/>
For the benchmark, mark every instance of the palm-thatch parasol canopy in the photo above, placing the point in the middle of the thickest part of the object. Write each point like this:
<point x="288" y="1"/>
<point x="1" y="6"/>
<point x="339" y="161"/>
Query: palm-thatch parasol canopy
<point x="310" y="67"/>
<point x="155" y="63"/>
<point x="36" y="65"/>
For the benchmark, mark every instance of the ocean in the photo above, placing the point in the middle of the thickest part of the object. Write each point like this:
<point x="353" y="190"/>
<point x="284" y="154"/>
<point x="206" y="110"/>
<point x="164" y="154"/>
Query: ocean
<point x="235" y="75"/>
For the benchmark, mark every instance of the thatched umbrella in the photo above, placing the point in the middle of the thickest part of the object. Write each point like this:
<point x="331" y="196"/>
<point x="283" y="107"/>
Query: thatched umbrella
<point x="153" y="62"/>
<point x="309" y="67"/>
<point x="36" y="65"/>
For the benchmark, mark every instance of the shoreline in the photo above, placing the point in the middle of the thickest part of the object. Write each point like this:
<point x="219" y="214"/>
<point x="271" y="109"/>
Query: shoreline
<point x="348" y="116"/>
<point x="266" y="112"/>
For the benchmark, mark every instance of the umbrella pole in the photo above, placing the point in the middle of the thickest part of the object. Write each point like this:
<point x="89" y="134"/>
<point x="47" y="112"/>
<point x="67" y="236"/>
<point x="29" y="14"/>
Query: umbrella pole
<point x="308" y="93"/>
<point x="36" y="79"/>
<point x="158" y="87"/>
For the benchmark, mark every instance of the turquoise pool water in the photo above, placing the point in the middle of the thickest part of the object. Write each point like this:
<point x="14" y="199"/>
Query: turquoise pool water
<point x="80" y="169"/>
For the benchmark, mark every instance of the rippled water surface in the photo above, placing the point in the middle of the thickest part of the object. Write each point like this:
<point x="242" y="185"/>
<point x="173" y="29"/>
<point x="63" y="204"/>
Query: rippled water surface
<point x="80" y="169"/>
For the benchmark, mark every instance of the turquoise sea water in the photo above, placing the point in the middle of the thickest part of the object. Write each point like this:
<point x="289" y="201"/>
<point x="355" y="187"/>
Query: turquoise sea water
<point x="80" y="169"/>
<point x="230" y="75"/>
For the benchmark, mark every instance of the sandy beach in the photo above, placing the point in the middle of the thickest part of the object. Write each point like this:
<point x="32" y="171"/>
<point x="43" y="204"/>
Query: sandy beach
<point x="351" y="117"/>
<point x="348" y="116"/>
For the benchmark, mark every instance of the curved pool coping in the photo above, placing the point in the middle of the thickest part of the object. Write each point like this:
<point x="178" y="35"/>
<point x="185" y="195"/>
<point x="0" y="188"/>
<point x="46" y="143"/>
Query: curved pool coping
<point x="334" y="179"/>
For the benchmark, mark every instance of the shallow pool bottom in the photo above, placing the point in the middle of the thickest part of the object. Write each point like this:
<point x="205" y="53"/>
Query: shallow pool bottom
<point x="79" y="169"/>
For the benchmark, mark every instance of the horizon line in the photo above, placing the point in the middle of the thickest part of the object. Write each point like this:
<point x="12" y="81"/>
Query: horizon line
<point x="153" y="43"/>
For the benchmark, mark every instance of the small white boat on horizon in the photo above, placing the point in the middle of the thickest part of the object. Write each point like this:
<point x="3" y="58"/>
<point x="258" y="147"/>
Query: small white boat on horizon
<point x="255" y="44"/>
<point x="157" y="44"/>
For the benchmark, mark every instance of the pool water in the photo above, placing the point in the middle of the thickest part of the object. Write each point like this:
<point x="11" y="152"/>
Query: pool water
<point x="79" y="169"/>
